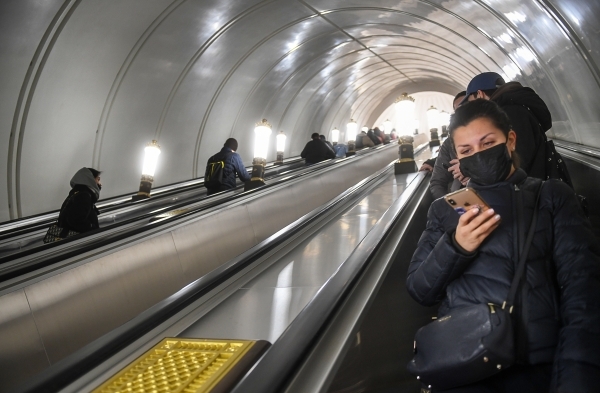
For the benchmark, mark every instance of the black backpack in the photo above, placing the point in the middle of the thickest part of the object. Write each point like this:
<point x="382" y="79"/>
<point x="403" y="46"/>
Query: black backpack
<point x="213" y="176"/>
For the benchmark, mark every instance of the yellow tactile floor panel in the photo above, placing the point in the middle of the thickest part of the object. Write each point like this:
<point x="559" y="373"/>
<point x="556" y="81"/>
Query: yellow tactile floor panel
<point x="178" y="365"/>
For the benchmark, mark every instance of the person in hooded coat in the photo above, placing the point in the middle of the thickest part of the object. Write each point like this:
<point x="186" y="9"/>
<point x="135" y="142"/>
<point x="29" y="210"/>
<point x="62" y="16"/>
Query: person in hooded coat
<point x="78" y="212"/>
<point x="469" y="259"/>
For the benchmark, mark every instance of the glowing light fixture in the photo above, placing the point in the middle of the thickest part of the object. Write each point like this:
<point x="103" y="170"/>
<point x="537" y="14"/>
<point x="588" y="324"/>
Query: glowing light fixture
<point x="151" y="153"/>
<point x="351" y="129"/>
<point x="262" y="132"/>
<point x="405" y="114"/>
<point x="432" y="117"/>
<point x="280" y="148"/>
<point x="444" y="118"/>
<point x="387" y="126"/>
<point x="335" y="136"/>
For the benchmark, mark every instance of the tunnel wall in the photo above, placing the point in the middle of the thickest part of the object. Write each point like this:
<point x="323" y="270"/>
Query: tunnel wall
<point x="89" y="83"/>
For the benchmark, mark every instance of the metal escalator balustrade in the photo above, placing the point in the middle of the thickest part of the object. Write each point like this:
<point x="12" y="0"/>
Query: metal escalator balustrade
<point x="26" y="261"/>
<point x="89" y="294"/>
<point x="117" y="208"/>
<point x="93" y="353"/>
<point x="18" y="235"/>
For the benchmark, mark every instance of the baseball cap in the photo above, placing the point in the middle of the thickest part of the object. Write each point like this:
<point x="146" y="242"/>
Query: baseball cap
<point x="485" y="81"/>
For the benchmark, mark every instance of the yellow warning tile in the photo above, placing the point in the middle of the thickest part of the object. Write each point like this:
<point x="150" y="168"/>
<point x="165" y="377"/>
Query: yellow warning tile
<point x="178" y="365"/>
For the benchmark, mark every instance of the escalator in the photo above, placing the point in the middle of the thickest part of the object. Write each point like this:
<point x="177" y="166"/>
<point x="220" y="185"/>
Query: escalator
<point x="352" y="333"/>
<point x="254" y="296"/>
<point x="136" y="218"/>
<point x="63" y="306"/>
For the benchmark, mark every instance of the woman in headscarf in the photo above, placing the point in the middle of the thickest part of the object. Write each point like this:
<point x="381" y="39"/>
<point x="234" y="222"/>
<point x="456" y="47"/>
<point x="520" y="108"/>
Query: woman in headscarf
<point x="78" y="212"/>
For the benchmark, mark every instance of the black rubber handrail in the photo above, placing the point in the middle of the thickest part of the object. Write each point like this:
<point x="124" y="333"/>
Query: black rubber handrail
<point x="85" y="359"/>
<point x="45" y="222"/>
<point x="110" y="234"/>
<point x="281" y="359"/>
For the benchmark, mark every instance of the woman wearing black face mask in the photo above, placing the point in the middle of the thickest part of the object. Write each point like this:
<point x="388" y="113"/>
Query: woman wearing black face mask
<point x="470" y="259"/>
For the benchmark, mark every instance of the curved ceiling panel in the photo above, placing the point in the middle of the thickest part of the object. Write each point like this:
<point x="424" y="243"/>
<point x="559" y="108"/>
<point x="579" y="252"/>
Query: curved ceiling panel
<point x="89" y="84"/>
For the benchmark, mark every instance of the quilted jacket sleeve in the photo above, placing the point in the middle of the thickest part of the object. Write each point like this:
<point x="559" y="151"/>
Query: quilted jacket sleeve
<point x="577" y="259"/>
<point x="436" y="262"/>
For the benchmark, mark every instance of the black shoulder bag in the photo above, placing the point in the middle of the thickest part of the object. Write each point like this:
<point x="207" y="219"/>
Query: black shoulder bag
<point x="471" y="343"/>
<point x="59" y="231"/>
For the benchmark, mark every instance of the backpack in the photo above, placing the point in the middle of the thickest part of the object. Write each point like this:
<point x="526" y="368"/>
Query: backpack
<point x="213" y="176"/>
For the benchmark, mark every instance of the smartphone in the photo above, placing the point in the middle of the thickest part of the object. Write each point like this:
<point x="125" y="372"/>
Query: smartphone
<point x="464" y="199"/>
<point x="446" y="166"/>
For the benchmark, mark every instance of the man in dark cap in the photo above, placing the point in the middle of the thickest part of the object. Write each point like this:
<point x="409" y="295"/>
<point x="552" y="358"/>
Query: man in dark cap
<point x="233" y="166"/>
<point x="528" y="114"/>
<point x="316" y="150"/>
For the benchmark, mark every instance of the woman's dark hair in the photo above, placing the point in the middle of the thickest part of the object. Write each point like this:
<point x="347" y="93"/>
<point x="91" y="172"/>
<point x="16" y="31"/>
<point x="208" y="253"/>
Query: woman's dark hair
<point x="231" y="143"/>
<point x="95" y="172"/>
<point x="478" y="109"/>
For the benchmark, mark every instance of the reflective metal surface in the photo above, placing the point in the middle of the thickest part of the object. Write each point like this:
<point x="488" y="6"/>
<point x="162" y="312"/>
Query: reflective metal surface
<point x="264" y="307"/>
<point x="91" y="295"/>
<point x="86" y="84"/>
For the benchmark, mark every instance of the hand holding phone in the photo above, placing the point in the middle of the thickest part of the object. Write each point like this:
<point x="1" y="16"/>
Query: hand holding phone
<point x="477" y="219"/>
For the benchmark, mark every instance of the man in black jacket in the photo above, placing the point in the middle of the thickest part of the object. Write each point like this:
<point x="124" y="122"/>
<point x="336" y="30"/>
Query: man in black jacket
<point x="528" y="114"/>
<point x="316" y="150"/>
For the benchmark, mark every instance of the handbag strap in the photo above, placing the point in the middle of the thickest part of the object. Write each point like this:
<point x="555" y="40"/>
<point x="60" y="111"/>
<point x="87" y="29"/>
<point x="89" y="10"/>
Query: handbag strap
<point x="523" y="258"/>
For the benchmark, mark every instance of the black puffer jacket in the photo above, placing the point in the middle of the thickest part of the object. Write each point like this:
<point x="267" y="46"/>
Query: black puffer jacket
<point x="78" y="212"/>
<point x="562" y="307"/>
<point x="530" y="119"/>
<point x="316" y="151"/>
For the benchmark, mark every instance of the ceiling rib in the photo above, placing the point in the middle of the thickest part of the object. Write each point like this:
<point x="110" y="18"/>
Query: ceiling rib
<point x="351" y="36"/>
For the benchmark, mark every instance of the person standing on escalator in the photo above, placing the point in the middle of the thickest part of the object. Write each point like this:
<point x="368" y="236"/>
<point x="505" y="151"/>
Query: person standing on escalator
<point x="78" y="212"/>
<point x="233" y="166"/>
<point x="316" y="151"/>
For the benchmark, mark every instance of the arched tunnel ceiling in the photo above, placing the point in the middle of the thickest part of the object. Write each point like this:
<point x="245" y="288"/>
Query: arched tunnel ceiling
<point x="89" y="83"/>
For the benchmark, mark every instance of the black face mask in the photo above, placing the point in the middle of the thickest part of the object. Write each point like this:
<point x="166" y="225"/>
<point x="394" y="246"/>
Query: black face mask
<point x="488" y="166"/>
<point x="99" y="186"/>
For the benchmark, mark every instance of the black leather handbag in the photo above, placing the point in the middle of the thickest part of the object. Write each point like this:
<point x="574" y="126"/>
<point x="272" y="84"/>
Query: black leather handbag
<point x="471" y="343"/>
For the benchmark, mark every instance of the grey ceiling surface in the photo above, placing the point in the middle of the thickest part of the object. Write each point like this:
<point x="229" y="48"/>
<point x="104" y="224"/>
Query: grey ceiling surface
<point x="90" y="82"/>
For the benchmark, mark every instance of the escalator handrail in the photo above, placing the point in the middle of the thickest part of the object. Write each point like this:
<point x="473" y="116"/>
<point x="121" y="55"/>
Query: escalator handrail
<point x="83" y="360"/>
<point x="116" y="202"/>
<point x="110" y="234"/>
<point x="281" y="359"/>
<point x="108" y="205"/>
